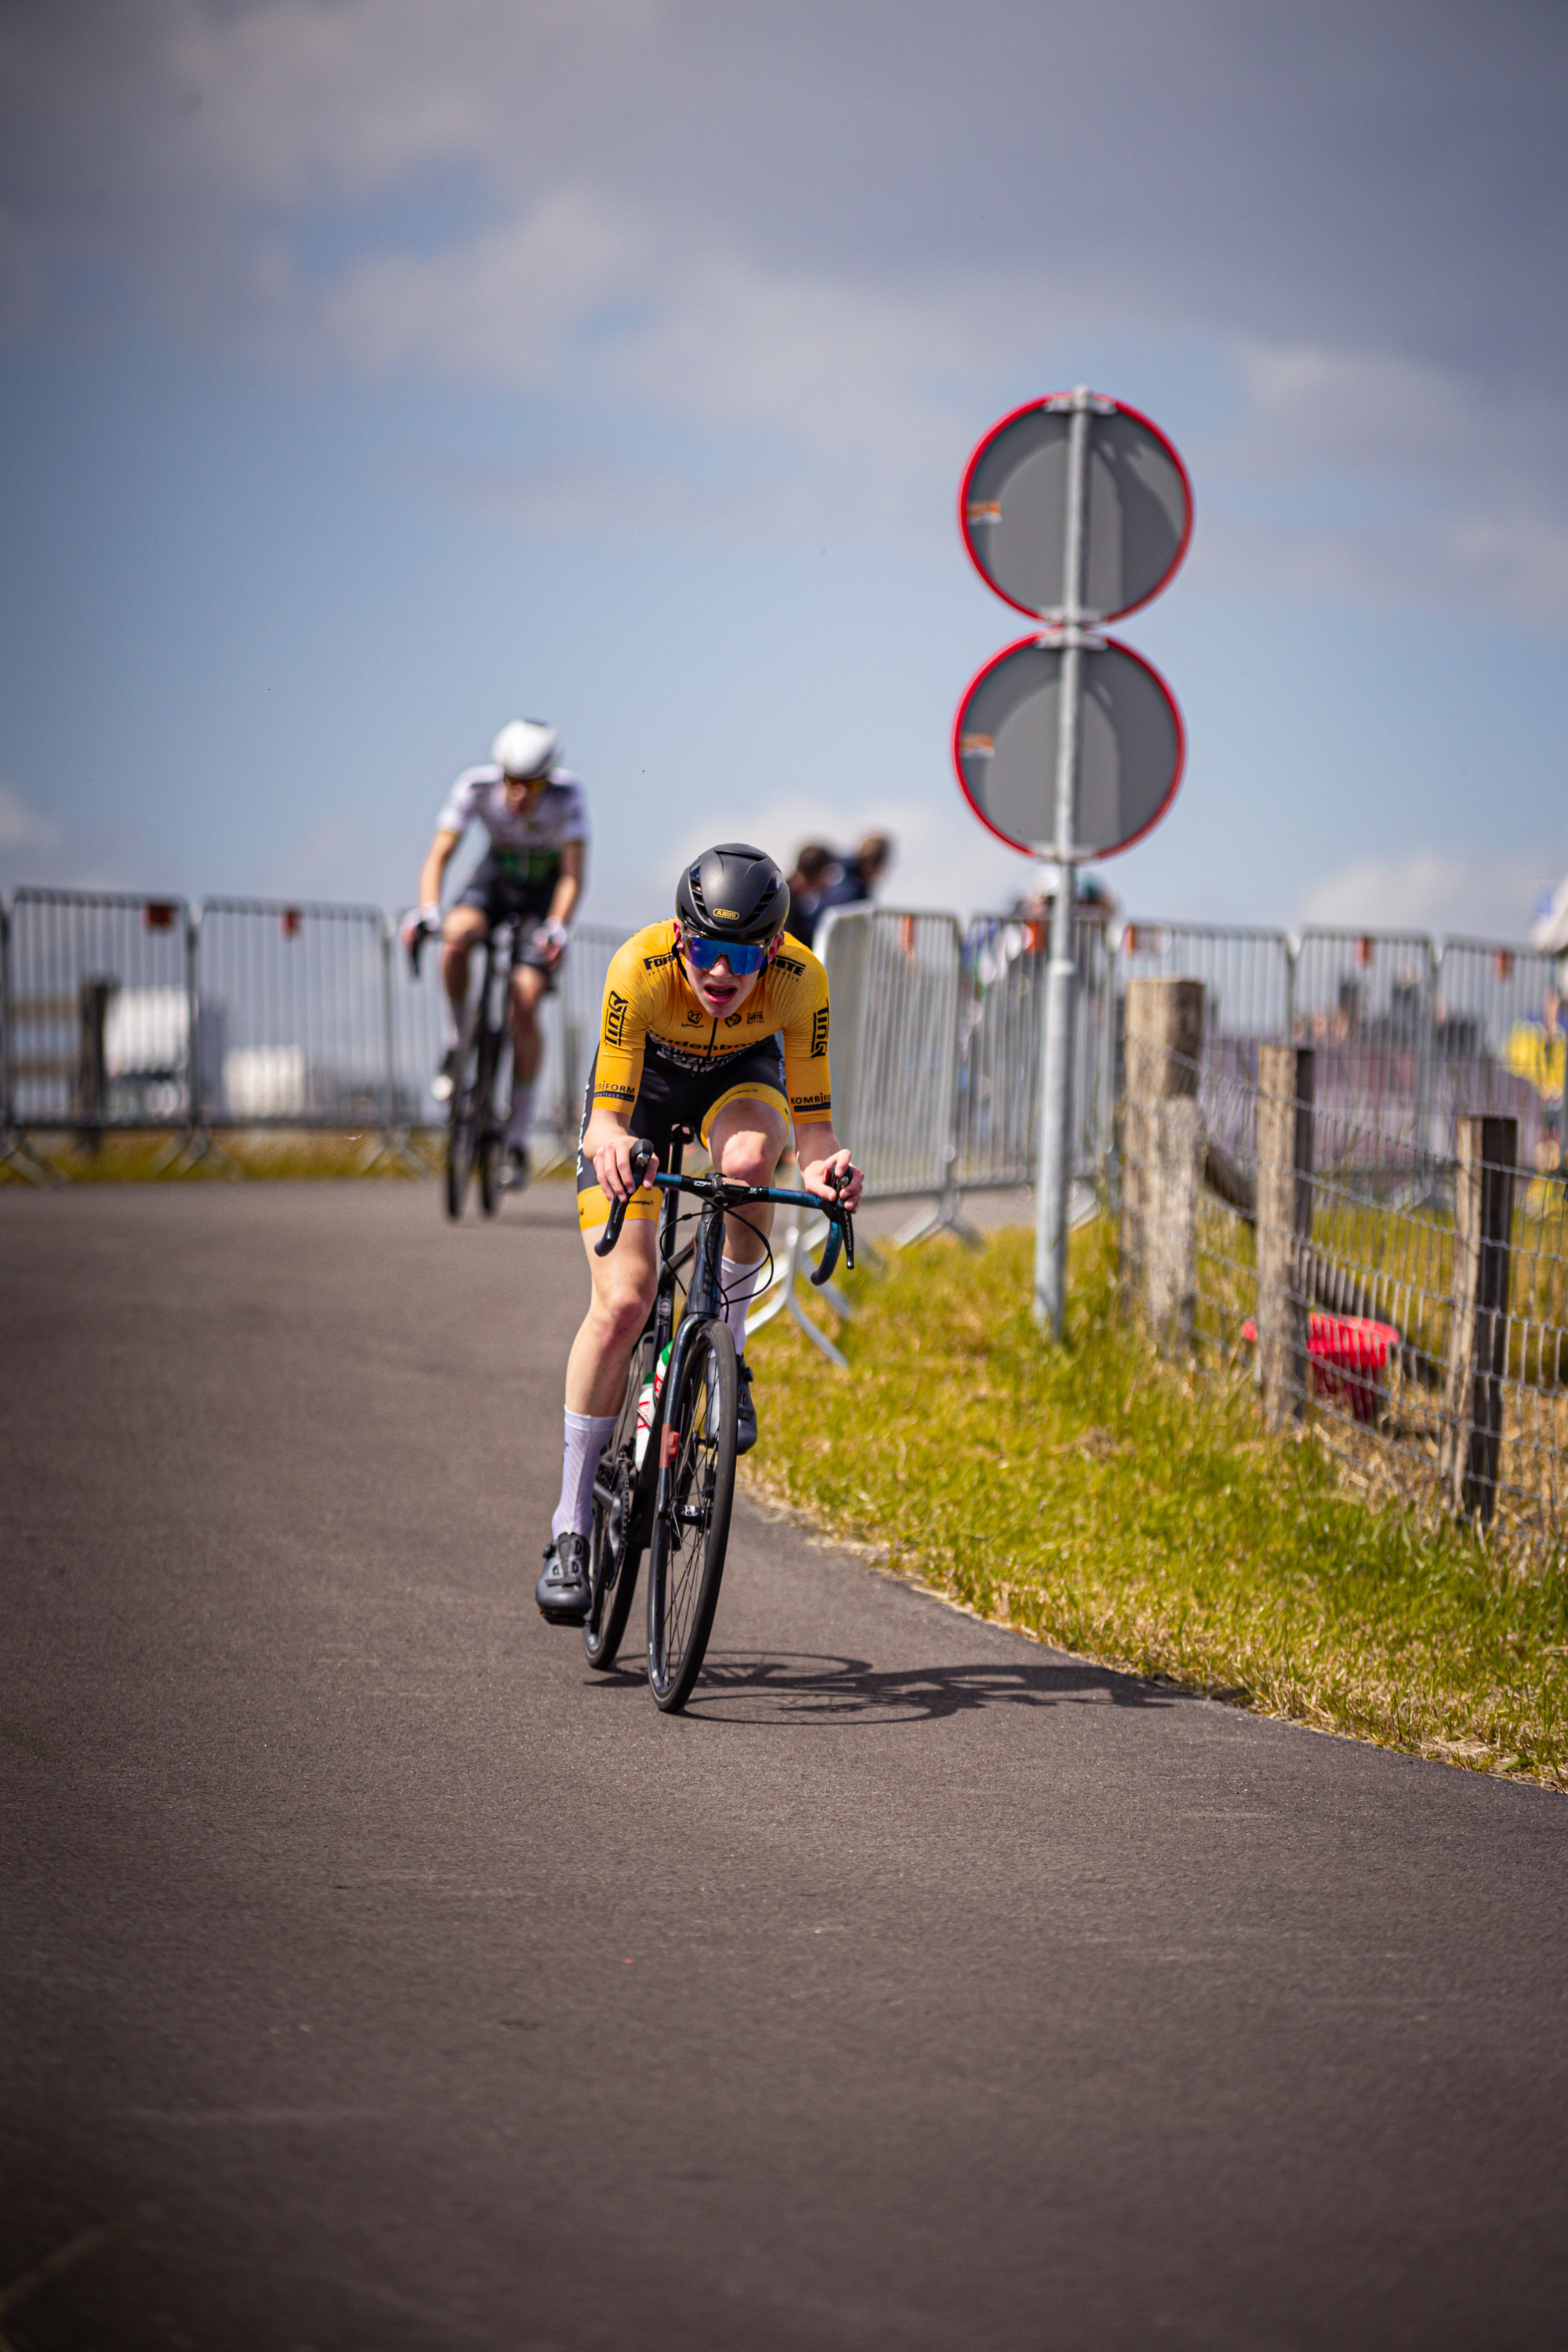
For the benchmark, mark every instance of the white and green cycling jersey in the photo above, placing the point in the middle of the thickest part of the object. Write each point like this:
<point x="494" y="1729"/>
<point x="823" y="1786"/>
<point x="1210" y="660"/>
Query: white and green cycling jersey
<point x="525" y="846"/>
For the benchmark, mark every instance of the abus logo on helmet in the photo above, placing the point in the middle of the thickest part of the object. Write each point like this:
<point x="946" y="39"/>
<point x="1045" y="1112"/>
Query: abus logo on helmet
<point x="728" y="914"/>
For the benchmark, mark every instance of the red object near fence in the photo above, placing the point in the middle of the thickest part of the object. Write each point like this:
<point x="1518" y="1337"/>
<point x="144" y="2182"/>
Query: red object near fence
<point x="1348" y="1352"/>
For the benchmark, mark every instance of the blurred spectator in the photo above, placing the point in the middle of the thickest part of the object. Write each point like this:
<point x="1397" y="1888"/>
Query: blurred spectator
<point x="859" y="875"/>
<point x="815" y="868"/>
<point x="1537" y="1050"/>
<point x="1094" y="902"/>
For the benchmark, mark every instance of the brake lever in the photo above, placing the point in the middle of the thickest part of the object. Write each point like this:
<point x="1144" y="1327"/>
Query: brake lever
<point x="642" y="1154"/>
<point x="840" y="1234"/>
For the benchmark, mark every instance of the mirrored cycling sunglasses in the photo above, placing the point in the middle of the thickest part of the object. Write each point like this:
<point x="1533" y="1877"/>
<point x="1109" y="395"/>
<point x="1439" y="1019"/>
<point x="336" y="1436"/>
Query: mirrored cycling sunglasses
<point x="744" y="955"/>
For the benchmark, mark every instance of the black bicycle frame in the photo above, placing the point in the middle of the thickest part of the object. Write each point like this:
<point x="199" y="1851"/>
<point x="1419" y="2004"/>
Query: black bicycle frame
<point x="498" y="968"/>
<point x="645" y="1497"/>
<point x="704" y="1296"/>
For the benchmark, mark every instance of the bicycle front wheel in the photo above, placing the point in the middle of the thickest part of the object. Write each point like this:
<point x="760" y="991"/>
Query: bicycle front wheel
<point x="613" y="1549"/>
<point x="486" y="1134"/>
<point x="686" y="1556"/>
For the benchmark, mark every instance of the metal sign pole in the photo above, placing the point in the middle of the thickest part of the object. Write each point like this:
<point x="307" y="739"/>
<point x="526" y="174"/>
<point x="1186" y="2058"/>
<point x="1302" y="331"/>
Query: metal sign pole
<point x="1055" y="1165"/>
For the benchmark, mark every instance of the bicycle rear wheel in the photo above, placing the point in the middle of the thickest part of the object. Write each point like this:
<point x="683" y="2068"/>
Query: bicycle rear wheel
<point x="487" y="1135"/>
<point x="614" y="1556"/>
<point x="686" y="1558"/>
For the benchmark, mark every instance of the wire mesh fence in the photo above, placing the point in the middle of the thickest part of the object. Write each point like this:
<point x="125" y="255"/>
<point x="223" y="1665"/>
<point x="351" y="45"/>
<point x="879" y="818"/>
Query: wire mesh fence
<point x="1269" y="1222"/>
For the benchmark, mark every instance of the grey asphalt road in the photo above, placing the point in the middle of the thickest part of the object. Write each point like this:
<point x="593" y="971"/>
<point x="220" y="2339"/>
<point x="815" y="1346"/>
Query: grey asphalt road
<point x="373" y="1975"/>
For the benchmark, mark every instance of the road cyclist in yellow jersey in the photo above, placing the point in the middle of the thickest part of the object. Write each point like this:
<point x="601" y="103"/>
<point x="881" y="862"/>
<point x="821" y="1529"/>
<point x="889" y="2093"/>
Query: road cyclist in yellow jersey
<point x="716" y="1023"/>
<point x="535" y="814"/>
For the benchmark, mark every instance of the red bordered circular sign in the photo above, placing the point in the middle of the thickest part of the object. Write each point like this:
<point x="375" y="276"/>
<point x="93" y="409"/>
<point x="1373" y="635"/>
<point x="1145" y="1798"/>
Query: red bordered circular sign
<point x="1012" y="507"/>
<point x="1131" y="747"/>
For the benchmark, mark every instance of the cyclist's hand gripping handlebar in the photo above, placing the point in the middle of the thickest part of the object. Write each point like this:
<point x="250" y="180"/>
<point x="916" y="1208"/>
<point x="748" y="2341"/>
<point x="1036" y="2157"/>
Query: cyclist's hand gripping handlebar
<point x="641" y="1155"/>
<point x="419" y="925"/>
<point x="841" y="1228"/>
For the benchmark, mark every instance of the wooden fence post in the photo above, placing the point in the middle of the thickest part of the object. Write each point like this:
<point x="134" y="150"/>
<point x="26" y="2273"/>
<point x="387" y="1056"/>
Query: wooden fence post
<point x="1286" y="1087"/>
<point x="1162" y="1153"/>
<point x="1470" y="1453"/>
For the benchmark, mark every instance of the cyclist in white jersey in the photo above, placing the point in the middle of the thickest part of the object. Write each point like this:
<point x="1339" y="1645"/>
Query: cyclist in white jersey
<point x="536" y="816"/>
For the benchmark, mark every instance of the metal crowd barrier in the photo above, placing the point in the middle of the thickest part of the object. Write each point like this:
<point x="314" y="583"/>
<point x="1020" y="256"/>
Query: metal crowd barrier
<point x="936" y="1049"/>
<point x="1250" y="979"/>
<point x="895" y="980"/>
<point x="102" y="1024"/>
<point x="126" y="1011"/>
<point x="997" y="1111"/>
<point x="295" y="1016"/>
<point x="1248" y="975"/>
<point x="1500" y="1043"/>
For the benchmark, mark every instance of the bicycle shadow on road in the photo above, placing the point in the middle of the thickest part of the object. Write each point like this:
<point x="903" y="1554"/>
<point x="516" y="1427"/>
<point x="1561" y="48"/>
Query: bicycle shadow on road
<point x="790" y="1687"/>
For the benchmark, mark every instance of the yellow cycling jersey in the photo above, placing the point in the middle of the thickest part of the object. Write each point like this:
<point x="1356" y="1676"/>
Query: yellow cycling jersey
<point x="648" y="1000"/>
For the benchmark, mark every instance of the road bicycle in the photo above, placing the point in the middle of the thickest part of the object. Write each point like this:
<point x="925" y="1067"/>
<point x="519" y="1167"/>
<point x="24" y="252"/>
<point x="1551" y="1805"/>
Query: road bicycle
<point x="473" y="1123"/>
<point x="667" y="1478"/>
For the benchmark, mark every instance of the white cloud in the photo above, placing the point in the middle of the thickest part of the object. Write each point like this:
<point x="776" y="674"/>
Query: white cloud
<point x="22" y="826"/>
<point x="1493" y="566"/>
<point x="803" y="236"/>
<point x="583" y="294"/>
<point x="1446" y="896"/>
<point x="505" y="308"/>
<point x="582" y="494"/>
<point x="1367" y="480"/>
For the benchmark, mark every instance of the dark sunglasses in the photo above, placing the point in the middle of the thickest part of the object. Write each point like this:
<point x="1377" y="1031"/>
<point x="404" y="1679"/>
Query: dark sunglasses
<point x="742" y="954"/>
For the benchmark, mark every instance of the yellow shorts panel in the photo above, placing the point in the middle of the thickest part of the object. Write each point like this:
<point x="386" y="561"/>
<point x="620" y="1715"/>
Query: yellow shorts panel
<point x="749" y="1090"/>
<point x="594" y="1206"/>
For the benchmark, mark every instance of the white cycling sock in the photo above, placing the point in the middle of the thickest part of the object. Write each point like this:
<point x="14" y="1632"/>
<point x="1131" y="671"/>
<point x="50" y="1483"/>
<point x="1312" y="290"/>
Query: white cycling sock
<point x="739" y="1282"/>
<point x="522" y="1120"/>
<point x="587" y="1434"/>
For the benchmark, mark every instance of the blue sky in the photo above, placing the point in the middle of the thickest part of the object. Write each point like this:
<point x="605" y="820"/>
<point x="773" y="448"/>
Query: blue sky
<point x="376" y="371"/>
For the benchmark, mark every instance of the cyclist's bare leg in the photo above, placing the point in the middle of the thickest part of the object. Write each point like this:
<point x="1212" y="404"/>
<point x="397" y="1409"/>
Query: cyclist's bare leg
<point x="464" y="929"/>
<point x="528" y="986"/>
<point x="746" y="1140"/>
<point x="624" y="1285"/>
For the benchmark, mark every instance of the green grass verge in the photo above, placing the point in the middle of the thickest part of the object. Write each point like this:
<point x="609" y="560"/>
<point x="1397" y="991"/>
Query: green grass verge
<point x="142" y="1156"/>
<point x="1135" y="1511"/>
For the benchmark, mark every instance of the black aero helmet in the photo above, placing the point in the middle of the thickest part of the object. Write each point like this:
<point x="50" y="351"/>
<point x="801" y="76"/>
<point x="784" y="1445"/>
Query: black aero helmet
<point x="733" y="892"/>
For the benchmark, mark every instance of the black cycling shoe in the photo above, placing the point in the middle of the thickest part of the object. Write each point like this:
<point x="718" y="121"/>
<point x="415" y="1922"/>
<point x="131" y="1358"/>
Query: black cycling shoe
<point x="562" y="1591"/>
<point x="514" y="1170"/>
<point x="745" y="1412"/>
<point x="446" y="1076"/>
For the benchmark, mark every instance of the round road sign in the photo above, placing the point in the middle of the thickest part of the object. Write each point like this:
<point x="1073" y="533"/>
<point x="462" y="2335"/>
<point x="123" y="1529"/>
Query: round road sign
<point x="1012" y="508"/>
<point x="1130" y="752"/>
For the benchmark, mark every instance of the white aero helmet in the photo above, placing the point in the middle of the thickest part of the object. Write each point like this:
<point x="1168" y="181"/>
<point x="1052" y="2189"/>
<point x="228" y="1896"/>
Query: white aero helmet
<point x="525" y="747"/>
